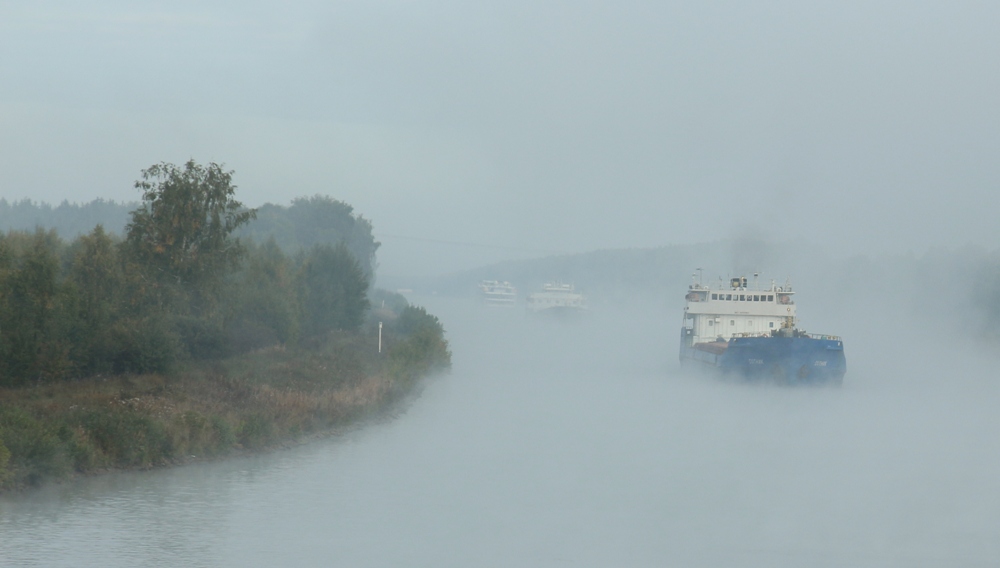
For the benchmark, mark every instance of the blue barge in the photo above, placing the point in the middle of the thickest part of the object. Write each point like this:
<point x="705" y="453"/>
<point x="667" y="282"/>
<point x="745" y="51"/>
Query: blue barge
<point x="747" y="331"/>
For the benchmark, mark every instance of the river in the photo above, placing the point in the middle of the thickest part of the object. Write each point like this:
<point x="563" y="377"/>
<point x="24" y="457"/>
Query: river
<point x="578" y="444"/>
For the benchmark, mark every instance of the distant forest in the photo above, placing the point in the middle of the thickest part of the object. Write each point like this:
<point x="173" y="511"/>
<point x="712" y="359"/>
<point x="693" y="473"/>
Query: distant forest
<point x="70" y="220"/>
<point x="306" y="222"/>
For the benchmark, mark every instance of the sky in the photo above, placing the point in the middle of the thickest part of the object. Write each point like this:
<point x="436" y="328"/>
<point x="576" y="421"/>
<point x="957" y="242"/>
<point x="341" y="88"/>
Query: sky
<point x="471" y="132"/>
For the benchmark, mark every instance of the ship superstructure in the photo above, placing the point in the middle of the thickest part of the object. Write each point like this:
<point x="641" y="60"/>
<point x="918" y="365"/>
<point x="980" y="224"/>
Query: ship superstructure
<point x="742" y="328"/>
<point x="740" y="310"/>
<point x="498" y="294"/>
<point x="557" y="298"/>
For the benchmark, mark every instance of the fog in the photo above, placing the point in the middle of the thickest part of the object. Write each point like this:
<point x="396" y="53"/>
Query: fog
<point x="849" y="147"/>
<point x="580" y="443"/>
<point x="526" y="126"/>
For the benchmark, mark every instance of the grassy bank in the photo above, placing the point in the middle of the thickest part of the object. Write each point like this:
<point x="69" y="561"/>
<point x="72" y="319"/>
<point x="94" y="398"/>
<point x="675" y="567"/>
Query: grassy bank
<point x="214" y="408"/>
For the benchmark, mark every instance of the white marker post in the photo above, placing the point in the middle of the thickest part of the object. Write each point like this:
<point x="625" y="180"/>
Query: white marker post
<point x="379" y="337"/>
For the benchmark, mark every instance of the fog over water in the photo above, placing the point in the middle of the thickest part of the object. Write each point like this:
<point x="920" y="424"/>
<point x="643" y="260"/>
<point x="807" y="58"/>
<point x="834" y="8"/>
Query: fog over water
<point x="558" y="444"/>
<point x="474" y="133"/>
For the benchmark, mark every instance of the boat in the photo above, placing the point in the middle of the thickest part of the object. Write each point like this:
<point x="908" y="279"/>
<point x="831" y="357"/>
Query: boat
<point x="497" y="294"/>
<point x="744" y="331"/>
<point x="557" y="299"/>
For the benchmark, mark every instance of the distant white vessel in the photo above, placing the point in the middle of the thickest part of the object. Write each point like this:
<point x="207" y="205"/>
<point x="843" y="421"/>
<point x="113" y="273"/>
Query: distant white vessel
<point x="497" y="294"/>
<point x="556" y="298"/>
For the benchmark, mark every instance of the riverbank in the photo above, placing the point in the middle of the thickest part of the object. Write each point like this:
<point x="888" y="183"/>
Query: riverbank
<point x="209" y="409"/>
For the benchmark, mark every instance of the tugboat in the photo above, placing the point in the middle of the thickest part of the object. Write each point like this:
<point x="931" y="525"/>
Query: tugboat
<point x="496" y="294"/>
<point x="745" y="331"/>
<point x="557" y="299"/>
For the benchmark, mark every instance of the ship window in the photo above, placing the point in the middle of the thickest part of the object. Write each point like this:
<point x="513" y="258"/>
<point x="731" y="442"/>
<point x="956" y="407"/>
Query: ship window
<point x="715" y="296"/>
<point x="711" y="323"/>
<point x="770" y="298"/>
<point x="729" y="297"/>
<point x="756" y="298"/>
<point x="770" y="324"/>
<point x="743" y="298"/>
<point x="732" y="322"/>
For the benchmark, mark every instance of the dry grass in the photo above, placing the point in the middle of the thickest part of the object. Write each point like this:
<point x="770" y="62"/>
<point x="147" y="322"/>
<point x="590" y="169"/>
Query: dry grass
<point x="256" y="401"/>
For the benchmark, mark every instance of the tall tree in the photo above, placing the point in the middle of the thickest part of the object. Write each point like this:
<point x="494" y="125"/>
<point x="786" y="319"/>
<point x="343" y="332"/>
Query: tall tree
<point x="32" y="301"/>
<point x="96" y="276"/>
<point x="317" y="220"/>
<point x="182" y="230"/>
<point x="333" y="290"/>
<point x="260" y="301"/>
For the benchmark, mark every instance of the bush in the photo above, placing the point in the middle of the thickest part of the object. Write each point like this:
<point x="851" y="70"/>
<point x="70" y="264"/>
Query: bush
<point x="223" y="431"/>
<point x="128" y="438"/>
<point x="4" y="458"/>
<point x="145" y="344"/>
<point x="422" y="348"/>
<point x="332" y="291"/>
<point x="35" y="451"/>
<point x="255" y="431"/>
<point x="202" y="338"/>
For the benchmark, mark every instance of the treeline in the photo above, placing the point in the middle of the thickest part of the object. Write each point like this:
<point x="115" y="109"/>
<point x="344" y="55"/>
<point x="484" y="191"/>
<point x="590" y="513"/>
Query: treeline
<point x="311" y="221"/>
<point x="177" y="339"/>
<point x="177" y="285"/>
<point x="303" y="224"/>
<point x="251" y="401"/>
<point x="69" y="219"/>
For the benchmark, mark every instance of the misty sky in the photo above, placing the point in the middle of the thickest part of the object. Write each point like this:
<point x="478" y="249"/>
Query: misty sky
<point x="538" y="126"/>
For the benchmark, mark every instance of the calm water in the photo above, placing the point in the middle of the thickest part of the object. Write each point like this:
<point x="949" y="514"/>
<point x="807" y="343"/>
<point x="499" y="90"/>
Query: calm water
<point x="579" y="445"/>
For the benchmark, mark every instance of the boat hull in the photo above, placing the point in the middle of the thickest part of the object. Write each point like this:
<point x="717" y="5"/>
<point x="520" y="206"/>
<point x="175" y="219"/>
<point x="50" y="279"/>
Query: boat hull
<point x="559" y="312"/>
<point x="786" y="360"/>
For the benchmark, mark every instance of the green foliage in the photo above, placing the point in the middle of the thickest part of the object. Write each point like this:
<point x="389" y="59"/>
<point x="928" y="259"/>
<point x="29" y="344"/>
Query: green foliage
<point x="223" y="433"/>
<point x="183" y="228"/>
<point x="128" y="438"/>
<point x="317" y="220"/>
<point x="180" y="285"/>
<point x="96" y="280"/>
<point x="255" y="431"/>
<point x="421" y="348"/>
<point x="98" y="312"/>
<point x="384" y="299"/>
<point x="144" y="344"/>
<point x="202" y="337"/>
<point x="261" y="306"/>
<point x="332" y="290"/>
<point x="415" y="318"/>
<point x="4" y="459"/>
<point x="36" y="452"/>
<point x="104" y="314"/>
<point x="33" y="342"/>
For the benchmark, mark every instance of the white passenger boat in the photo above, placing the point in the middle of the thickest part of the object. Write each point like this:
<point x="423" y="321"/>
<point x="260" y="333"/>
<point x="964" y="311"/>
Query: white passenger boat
<point x="497" y="294"/>
<point x="557" y="298"/>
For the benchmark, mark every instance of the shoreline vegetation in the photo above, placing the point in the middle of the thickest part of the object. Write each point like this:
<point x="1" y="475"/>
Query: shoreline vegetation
<point x="252" y="402"/>
<point x="177" y="341"/>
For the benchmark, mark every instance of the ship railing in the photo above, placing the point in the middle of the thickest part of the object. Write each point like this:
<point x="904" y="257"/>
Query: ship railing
<point x="810" y="335"/>
<point x="824" y="336"/>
